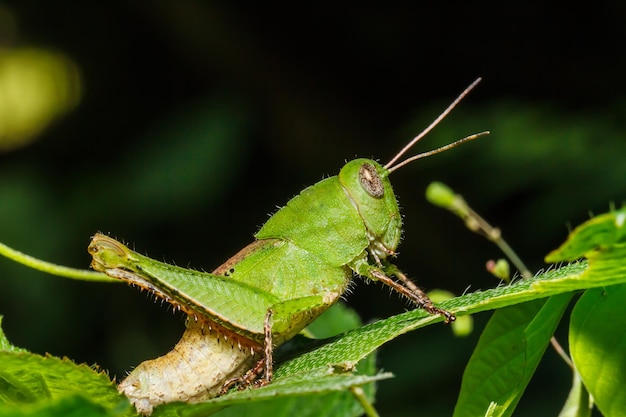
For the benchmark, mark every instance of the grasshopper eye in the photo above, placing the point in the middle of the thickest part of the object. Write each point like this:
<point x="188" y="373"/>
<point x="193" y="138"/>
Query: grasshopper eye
<point x="370" y="181"/>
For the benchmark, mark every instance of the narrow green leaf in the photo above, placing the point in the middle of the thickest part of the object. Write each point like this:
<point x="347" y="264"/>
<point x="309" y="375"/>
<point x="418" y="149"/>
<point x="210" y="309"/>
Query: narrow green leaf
<point x="339" y="403"/>
<point x="355" y="345"/>
<point x="312" y="384"/>
<point x="598" y="346"/>
<point x="507" y="355"/>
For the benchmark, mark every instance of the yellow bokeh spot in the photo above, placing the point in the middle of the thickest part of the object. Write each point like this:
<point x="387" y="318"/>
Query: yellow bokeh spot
<point x="36" y="87"/>
<point x="463" y="325"/>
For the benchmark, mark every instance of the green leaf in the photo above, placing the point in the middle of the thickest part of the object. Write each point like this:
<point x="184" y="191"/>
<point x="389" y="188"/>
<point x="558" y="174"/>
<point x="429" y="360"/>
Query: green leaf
<point x="507" y="355"/>
<point x="598" y="345"/>
<point x="74" y="406"/>
<point x="27" y="378"/>
<point x="313" y="387"/>
<point x="600" y="232"/>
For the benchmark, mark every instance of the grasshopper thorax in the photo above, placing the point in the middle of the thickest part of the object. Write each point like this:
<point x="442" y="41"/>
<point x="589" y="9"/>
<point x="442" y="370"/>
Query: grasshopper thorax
<point x="367" y="185"/>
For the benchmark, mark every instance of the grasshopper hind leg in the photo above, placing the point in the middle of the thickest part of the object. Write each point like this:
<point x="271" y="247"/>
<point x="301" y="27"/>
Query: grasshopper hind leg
<point x="264" y="366"/>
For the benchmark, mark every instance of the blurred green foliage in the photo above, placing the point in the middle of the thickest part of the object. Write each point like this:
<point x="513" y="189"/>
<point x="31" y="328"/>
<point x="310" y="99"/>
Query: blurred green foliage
<point x="198" y="118"/>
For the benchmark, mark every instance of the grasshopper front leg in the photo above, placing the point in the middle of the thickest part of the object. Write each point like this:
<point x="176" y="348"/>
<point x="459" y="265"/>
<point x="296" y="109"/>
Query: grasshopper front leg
<point x="405" y="287"/>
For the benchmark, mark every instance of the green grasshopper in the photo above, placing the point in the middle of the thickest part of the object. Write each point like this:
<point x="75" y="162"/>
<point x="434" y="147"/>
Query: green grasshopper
<point x="300" y="264"/>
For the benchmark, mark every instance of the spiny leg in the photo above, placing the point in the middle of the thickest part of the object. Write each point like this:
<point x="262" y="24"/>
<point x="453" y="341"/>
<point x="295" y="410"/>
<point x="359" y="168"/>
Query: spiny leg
<point x="393" y="270"/>
<point x="263" y="365"/>
<point x="269" y="349"/>
<point x="244" y="381"/>
<point x="412" y="292"/>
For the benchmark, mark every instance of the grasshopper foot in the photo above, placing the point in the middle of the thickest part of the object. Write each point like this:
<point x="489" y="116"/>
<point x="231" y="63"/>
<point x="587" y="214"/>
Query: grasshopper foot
<point x="248" y="379"/>
<point x="407" y="288"/>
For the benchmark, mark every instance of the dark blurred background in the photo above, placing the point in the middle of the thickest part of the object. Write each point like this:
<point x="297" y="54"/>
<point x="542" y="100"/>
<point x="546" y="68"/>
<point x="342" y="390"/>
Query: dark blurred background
<point x="178" y="126"/>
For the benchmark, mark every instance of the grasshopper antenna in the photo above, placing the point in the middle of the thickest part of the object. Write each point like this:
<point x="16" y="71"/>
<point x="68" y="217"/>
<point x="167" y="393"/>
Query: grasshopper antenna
<point x="438" y="150"/>
<point x="390" y="165"/>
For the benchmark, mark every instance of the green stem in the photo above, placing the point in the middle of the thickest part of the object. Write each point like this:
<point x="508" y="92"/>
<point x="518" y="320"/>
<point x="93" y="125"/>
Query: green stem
<point x="54" y="269"/>
<point x="494" y="234"/>
<point x="360" y="396"/>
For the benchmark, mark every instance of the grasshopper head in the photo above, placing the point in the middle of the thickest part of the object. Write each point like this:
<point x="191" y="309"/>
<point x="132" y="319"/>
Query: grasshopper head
<point x="367" y="184"/>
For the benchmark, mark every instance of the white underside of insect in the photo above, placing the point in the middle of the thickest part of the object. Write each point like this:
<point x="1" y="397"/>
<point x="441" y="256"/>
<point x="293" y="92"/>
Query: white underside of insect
<point x="194" y="371"/>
